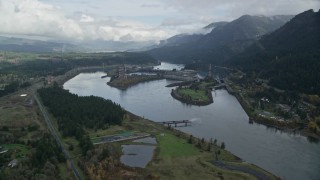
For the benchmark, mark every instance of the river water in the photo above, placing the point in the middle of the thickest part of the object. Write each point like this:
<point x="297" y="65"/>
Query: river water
<point x="286" y="155"/>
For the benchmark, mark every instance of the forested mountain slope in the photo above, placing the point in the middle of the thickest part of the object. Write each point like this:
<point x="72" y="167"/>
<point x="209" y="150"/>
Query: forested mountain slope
<point x="223" y="42"/>
<point x="289" y="57"/>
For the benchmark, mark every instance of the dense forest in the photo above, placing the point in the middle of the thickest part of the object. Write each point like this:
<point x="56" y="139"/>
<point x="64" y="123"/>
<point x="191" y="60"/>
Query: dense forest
<point x="74" y="113"/>
<point x="288" y="57"/>
<point x="12" y="87"/>
<point x="46" y="149"/>
<point x="222" y="43"/>
<point x="41" y="161"/>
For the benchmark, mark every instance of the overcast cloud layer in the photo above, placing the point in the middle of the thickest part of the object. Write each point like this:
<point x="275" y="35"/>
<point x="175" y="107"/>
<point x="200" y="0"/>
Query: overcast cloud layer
<point x="131" y="20"/>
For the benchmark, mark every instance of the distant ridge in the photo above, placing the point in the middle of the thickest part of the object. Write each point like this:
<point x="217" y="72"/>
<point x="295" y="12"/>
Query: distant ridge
<point x="289" y="57"/>
<point x="29" y="45"/>
<point x="224" y="41"/>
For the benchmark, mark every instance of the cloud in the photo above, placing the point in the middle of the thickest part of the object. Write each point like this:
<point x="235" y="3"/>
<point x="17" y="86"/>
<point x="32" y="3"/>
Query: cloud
<point x="32" y="17"/>
<point x="86" y="18"/>
<point x="130" y="20"/>
<point x="176" y="22"/>
<point x="151" y="5"/>
<point x="231" y="9"/>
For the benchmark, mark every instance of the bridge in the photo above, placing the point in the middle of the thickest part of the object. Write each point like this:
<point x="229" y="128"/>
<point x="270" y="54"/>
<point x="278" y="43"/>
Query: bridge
<point x="184" y="123"/>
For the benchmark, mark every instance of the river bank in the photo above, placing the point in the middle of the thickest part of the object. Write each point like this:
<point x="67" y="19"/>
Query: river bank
<point x="205" y="147"/>
<point x="61" y="79"/>
<point x="137" y="123"/>
<point x="194" y="92"/>
<point x="285" y="126"/>
<point x="132" y="80"/>
<point x="193" y="101"/>
<point x="224" y="120"/>
<point x="288" y="127"/>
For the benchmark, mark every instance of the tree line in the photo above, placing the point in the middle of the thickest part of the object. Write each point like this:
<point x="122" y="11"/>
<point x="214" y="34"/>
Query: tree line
<point x="75" y="113"/>
<point x="12" y="87"/>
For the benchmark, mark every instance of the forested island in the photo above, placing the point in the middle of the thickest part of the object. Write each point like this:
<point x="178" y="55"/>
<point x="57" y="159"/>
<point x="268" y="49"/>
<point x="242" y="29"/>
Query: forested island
<point x="124" y="83"/>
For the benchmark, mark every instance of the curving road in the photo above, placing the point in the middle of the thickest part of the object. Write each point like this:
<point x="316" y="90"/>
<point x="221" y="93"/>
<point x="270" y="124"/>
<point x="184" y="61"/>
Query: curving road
<point x="244" y="169"/>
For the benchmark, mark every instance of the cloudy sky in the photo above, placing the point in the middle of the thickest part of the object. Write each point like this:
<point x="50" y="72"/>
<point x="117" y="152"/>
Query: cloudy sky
<point x="130" y="20"/>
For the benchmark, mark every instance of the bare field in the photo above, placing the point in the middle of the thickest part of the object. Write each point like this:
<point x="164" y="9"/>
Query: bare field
<point x="20" y="116"/>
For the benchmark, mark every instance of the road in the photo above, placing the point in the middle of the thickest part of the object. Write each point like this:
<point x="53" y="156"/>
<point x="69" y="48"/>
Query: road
<point x="55" y="135"/>
<point x="244" y="169"/>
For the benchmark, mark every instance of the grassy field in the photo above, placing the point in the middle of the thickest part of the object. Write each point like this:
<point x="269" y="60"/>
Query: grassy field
<point x="172" y="146"/>
<point x="19" y="114"/>
<point x="64" y="173"/>
<point x="174" y="157"/>
<point x="20" y="150"/>
<point x="131" y="80"/>
<point x="197" y="95"/>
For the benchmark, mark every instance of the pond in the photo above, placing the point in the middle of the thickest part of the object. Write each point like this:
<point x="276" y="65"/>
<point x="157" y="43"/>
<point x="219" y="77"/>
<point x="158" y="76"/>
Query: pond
<point x="137" y="155"/>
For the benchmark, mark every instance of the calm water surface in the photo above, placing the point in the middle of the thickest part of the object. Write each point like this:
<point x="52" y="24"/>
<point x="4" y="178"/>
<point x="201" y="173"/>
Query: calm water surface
<point x="147" y="140"/>
<point x="286" y="155"/>
<point x="137" y="155"/>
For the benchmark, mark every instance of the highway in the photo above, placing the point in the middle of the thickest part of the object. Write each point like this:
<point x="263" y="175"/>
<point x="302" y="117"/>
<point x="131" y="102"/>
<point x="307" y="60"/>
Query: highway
<point x="55" y="135"/>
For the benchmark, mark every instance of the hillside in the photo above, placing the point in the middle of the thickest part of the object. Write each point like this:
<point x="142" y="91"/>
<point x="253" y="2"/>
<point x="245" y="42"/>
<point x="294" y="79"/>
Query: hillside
<point x="29" y="45"/>
<point x="288" y="57"/>
<point x="182" y="39"/>
<point x="43" y="46"/>
<point x="224" y="41"/>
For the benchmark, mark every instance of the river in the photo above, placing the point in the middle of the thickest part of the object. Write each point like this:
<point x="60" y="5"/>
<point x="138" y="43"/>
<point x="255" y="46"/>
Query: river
<point x="286" y="155"/>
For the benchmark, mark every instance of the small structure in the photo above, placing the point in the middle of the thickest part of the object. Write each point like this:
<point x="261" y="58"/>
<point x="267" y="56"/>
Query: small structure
<point x="13" y="163"/>
<point x="264" y="99"/>
<point x="50" y="80"/>
<point x="210" y="71"/>
<point x="3" y="150"/>
<point x="185" y="75"/>
<point x="122" y="72"/>
<point x="284" y="107"/>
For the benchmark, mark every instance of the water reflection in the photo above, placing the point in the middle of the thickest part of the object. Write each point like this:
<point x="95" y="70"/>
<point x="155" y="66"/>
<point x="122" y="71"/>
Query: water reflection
<point x="137" y="155"/>
<point x="313" y="140"/>
<point x="289" y="156"/>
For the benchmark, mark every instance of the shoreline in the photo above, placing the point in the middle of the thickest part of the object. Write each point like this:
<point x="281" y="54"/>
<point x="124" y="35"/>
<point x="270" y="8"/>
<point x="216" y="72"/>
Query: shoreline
<point x="287" y="127"/>
<point x="195" y="141"/>
<point x="176" y="96"/>
<point x="61" y="79"/>
<point x="302" y="131"/>
<point x="123" y="86"/>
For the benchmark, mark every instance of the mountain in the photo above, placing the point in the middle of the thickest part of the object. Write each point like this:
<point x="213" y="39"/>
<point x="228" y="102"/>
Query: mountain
<point x="29" y="45"/>
<point x="114" y="46"/>
<point x="215" y="24"/>
<point x="223" y="42"/>
<point x="182" y="39"/>
<point x="289" y="57"/>
<point x="32" y="45"/>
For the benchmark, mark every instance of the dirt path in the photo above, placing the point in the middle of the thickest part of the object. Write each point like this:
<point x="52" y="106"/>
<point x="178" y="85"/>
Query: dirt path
<point x="247" y="170"/>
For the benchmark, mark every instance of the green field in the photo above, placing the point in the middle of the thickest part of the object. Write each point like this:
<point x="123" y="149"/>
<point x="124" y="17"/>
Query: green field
<point x="172" y="146"/>
<point x="131" y="80"/>
<point x="20" y="150"/>
<point x="195" y="95"/>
